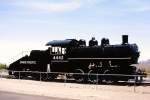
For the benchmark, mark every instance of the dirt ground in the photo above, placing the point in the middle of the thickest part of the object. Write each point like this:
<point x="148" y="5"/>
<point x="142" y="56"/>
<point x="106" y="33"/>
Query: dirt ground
<point x="75" y="91"/>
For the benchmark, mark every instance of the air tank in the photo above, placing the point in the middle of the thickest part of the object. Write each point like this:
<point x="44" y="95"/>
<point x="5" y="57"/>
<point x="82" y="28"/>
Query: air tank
<point x="104" y="42"/>
<point x="93" y="42"/>
<point x="82" y="42"/>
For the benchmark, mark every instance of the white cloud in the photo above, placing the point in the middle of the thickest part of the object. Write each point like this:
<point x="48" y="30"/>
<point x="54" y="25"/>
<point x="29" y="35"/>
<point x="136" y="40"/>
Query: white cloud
<point x="55" y="7"/>
<point x="52" y="5"/>
<point x="72" y="5"/>
<point x="136" y="5"/>
<point x="122" y="7"/>
<point x="48" y="6"/>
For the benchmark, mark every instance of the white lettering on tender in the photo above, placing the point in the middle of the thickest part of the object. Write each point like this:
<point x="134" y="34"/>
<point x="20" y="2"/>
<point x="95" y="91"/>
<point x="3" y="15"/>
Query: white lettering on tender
<point x="27" y="62"/>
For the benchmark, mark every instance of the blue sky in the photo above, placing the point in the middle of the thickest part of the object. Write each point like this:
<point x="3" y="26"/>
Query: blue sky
<point x="29" y="24"/>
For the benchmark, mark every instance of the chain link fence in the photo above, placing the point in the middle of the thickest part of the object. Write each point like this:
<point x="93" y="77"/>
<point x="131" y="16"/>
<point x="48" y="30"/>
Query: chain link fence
<point x="136" y="81"/>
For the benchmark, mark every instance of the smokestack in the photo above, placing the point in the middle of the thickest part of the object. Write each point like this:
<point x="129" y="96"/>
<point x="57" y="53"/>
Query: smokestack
<point x="124" y="39"/>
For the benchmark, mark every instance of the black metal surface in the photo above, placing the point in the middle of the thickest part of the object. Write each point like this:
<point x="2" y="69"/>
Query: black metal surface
<point x="63" y="43"/>
<point x="102" y="59"/>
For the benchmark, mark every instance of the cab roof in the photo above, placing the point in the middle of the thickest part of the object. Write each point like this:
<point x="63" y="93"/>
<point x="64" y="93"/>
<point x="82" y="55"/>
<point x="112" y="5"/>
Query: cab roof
<point x="63" y="43"/>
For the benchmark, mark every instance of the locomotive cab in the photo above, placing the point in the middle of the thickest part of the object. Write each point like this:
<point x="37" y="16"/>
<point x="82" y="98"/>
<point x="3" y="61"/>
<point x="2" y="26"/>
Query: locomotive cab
<point x="58" y="48"/>
<point x="57" y="52"/>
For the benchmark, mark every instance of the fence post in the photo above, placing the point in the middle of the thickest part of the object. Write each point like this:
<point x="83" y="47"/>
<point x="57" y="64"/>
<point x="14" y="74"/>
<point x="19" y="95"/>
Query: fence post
<point x="19" y="75"/>
<point x="65" y="78"/>
<point x="40" y="76"/>
<point x="134" y="83"/>
<point x="96" y="81"/>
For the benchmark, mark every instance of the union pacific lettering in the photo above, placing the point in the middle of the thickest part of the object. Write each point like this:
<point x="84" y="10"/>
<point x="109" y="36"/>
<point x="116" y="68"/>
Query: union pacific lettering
<point x="27" y="62"/>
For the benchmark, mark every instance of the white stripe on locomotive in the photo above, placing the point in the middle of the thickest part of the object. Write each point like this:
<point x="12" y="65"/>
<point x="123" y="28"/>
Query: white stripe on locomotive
<point x="98" y="58"/>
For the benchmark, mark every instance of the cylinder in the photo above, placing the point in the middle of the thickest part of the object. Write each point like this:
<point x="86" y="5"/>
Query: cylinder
<point x="124" y="39"/>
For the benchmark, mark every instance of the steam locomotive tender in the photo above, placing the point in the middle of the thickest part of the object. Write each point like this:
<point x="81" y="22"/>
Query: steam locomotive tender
<point x="73" y="56"/>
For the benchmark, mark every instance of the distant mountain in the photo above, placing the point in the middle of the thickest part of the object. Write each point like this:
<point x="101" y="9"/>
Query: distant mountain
<point x="144" y="65"/>
<point x="145" y="62"/>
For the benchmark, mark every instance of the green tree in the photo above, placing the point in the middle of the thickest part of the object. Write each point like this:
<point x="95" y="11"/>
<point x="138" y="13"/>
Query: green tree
<point x="2" y="66"/>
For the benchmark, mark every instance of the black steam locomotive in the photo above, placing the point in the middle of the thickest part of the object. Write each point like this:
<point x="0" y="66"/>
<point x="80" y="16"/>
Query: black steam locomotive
<point x="73" y="56"/>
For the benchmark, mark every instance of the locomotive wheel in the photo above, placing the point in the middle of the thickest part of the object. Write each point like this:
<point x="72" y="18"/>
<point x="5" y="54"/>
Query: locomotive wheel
<point x="44" y="76"/>
<point x="139" y="79"/>
<point x="79" y="75"/>
<point x="110" y="78"/>
<point x="16" y="74"/>
<point x="47" y="76"/>
<point x="38" y="76"/>
<point x="92" y="77"/>
<point x="51" y="76"/>
<point x="10" y="72"/>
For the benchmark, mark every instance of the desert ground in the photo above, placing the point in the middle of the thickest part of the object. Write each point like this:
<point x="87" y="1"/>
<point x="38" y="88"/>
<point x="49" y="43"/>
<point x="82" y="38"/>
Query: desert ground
<point x="75" y="91"/>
